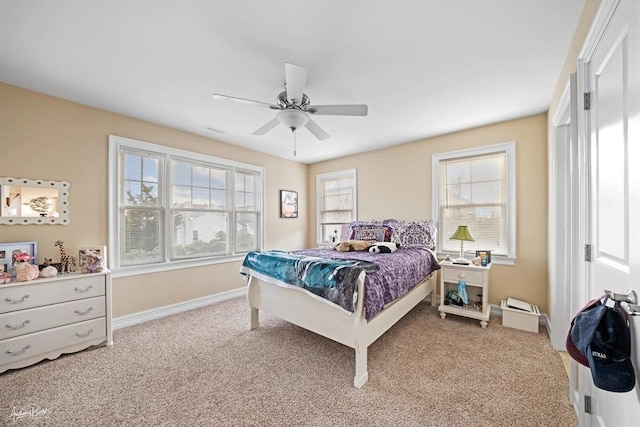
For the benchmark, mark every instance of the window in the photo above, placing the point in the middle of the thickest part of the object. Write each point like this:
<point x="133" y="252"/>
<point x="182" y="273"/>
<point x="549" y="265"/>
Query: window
<point x="171" y="207"/>
<point x="337" y="202"/>
<point x="476" y="188"/>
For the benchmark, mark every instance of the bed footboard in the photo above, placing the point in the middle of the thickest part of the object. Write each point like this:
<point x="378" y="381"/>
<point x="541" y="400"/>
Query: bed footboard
<point x="299" y="307"/>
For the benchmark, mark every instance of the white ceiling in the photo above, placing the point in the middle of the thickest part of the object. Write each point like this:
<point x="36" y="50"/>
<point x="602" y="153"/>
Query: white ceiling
<point x="424" y="67"/>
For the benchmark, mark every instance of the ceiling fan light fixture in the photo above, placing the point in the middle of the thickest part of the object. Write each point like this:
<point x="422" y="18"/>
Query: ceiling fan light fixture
<point x="293" y="119"/>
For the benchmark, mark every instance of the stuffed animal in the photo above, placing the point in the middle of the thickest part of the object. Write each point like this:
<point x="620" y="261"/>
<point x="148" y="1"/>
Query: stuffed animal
<point x="384" y="247"/>
<point x="4" y="276"/>
<point x="48" y="271"/>
<point x="352" y="245"/>
<point x="25" y="271"/>
<point x="94" y="263"/>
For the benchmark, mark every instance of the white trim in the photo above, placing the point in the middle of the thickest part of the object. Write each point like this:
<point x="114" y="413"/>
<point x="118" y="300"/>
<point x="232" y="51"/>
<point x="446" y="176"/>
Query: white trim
<point x="601" y="20"/>
<point x="191" y="155"/>
<point x="562" y="205"/>
<point x="495" y="259"/>
<point x="168" y="310"/>
<point x="510" y="149"/>
<point x="174" y="265"/>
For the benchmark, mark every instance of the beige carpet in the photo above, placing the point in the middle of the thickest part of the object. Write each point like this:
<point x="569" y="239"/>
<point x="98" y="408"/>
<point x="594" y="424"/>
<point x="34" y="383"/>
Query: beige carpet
<point x="204" y="368"/>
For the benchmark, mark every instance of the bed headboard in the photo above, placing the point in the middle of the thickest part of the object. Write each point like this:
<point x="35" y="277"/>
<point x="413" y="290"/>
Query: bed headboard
<point x="409" y="234"/>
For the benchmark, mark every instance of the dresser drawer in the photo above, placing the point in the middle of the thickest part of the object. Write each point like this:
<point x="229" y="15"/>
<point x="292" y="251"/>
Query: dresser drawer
<point x="23" y="322"/>
<point x="28" y="349"/>
<point x="452" y="274"/>
<point x="36" y="294"/>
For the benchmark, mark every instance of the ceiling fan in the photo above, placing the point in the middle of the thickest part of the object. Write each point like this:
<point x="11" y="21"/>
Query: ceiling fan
<point x="294" y="108"/>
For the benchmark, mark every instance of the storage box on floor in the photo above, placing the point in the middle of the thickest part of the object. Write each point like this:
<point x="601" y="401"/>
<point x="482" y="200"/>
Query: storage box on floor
<point x="520" y="319"/>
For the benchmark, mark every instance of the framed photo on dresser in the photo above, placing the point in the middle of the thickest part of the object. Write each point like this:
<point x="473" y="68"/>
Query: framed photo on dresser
<point x="98" y="250"/>
<point x="9" y="252"/>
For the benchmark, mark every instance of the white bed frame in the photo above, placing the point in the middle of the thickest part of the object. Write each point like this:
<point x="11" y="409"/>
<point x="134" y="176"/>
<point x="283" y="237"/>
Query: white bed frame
<point x="353" y="330"/>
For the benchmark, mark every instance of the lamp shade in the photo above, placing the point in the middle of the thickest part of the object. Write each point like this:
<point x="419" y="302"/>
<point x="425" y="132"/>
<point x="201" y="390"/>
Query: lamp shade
<point x="293" y="119"/>
<point x="462" y="233"/>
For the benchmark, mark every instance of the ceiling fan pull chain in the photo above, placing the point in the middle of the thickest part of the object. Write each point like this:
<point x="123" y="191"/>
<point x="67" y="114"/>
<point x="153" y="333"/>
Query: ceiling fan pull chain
<point x="294" y="144"/>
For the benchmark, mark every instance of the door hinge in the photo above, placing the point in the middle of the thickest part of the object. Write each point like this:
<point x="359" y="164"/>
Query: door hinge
<point x="587" y="404"/>
<point x="587" y="252"/>
<point x="587" y="100"/>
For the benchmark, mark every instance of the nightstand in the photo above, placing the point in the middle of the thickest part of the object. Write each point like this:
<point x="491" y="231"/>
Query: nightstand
<point x="477" y="280"/>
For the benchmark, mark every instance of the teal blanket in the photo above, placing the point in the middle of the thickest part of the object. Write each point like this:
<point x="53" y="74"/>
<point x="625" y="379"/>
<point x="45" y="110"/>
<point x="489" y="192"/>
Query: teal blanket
<point x="333" y="279"/>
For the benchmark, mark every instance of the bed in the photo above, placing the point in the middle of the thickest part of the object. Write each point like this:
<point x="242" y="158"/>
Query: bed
<point x="379" y="289"/>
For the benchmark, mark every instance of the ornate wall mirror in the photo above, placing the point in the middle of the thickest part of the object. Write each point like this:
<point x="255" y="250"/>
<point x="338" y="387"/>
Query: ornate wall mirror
<point x="33" y="201"/>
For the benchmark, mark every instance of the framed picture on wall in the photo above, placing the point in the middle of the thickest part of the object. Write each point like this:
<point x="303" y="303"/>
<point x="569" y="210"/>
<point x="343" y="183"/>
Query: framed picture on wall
<point x="288" y="204"/>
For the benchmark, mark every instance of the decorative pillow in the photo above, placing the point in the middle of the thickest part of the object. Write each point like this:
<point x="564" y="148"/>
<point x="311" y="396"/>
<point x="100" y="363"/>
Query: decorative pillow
<point x="357" y="224"/>
<point x="413" y="234"/>
<point x="372" y="232"/>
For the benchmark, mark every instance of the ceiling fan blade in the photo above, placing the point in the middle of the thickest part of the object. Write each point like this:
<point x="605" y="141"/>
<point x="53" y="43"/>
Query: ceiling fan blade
<point x="218" y="97"/>
<point x="316" y="130"/>
<point x="295" y="78"/>
<point x="338" y="110"/>
<point x="267" y="127"/>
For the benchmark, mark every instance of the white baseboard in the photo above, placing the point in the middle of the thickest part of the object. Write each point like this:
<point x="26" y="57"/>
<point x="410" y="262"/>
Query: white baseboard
<point x="168" y="310"/>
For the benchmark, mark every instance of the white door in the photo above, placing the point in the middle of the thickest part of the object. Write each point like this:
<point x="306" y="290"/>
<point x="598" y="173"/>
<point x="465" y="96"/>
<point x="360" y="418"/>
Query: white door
<point x="610" y="68"/>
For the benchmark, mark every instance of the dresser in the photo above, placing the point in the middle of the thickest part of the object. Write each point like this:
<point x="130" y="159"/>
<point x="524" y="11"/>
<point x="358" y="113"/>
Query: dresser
<point x="47" y="317"/>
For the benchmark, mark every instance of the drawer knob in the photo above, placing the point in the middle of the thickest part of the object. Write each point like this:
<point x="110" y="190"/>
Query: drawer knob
<point x="16" y="327"/>
<point x="16" y="301"/>
<point x="82" y="313"/>
<point x="461" y="275"/>
<point x="89" y="332"/>
<point x="77" y="289"/>
<point x="18" y="352"/>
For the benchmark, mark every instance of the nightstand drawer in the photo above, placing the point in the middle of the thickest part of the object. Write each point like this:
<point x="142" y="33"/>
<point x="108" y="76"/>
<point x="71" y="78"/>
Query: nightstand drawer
<point x="452" y="274"/>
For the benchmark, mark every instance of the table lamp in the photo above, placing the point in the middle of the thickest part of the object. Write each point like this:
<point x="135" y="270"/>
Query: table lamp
<point x="462" y="234"/>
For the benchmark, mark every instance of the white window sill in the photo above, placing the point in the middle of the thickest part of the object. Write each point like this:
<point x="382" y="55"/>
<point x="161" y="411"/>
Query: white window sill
<point x="168" y="266"/>
<point x="495" y="259"/>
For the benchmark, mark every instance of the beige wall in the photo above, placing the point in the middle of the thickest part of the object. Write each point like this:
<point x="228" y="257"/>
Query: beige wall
<point x="396" y="183"/>
<point x="48" y="138"/>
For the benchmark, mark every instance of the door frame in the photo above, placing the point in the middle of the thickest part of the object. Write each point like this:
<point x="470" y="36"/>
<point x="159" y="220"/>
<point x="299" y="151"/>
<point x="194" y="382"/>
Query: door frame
<point x="563" y="205"/>
<point x="596" y="32"/>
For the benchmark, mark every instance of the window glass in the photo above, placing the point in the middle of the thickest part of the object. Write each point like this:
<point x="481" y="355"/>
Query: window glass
<point x="336" y="202"/>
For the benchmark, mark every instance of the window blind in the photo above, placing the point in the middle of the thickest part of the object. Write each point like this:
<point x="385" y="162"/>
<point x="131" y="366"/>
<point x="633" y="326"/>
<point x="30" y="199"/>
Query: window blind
<point x="473" y="192"/>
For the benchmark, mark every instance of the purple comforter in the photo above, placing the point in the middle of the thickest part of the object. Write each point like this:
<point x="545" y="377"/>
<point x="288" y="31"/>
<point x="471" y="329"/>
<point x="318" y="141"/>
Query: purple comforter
<point x="399" y="272"/>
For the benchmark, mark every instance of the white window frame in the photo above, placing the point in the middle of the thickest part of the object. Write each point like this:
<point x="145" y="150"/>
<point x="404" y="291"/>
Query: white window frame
<point x="116" y="143"/>
<point x="319" y="198"/>
<point x="510" y="149"/>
